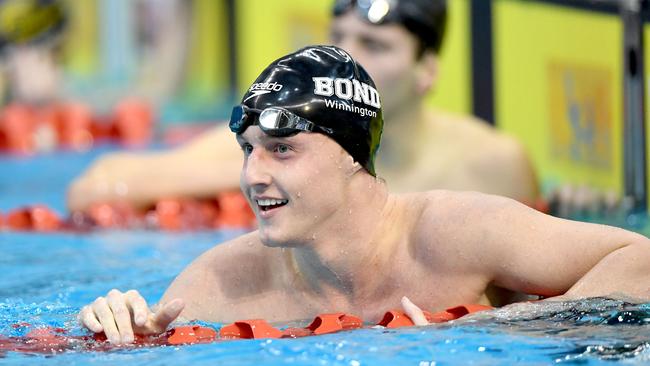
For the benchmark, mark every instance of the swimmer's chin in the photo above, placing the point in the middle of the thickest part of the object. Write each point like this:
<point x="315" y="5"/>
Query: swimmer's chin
<point x="269" y="241"/>
<point x="279" y="243"/>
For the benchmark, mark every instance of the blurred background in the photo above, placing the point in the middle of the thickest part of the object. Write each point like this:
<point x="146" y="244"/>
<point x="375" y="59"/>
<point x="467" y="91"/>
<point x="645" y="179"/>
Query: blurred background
<point x="566" y="77"/>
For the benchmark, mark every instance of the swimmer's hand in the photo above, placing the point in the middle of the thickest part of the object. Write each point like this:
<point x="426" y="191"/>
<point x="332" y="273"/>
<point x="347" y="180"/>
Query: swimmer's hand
<point x="122" y="315"/>
<point x="414" y="312"/>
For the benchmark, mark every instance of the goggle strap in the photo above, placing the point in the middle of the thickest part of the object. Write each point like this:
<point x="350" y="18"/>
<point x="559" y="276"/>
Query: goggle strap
<point x="304" y="124"/>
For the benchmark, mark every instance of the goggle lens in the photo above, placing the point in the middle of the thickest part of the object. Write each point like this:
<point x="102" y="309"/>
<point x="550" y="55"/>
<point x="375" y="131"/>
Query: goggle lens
<point x="237" y="117"/>
<point x="375" y="11"/>
<point x="273" y="121"/>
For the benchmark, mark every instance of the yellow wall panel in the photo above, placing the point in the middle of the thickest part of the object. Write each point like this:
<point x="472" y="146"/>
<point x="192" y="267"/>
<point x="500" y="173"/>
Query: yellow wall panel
<point x="207" y="62"/>
<point x="558" y="77"/>
<point x="80" y="49"/>
<point x="453" y="92"/>
<point x="269" y="29"/>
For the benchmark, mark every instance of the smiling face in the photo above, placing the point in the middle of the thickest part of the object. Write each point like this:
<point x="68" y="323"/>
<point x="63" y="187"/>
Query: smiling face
<point x="295" y="184"/>
<point x="389" y="54"/>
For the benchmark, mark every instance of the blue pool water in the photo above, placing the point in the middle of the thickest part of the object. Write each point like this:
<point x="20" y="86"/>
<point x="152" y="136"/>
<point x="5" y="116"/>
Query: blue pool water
<point x="46" y="278"/>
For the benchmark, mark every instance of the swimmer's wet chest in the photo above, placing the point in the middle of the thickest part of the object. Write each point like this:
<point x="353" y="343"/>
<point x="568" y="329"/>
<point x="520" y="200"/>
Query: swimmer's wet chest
<point x="433" y="271"/>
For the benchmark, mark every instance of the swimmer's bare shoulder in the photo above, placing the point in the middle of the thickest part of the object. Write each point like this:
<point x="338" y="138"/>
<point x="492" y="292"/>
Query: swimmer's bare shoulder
<point x="495" y="161"/>
<point x="232" y="272"/>
<point x="475" y="233"/>
<point x="449" y="226"/>
<point x="445" y="246"/>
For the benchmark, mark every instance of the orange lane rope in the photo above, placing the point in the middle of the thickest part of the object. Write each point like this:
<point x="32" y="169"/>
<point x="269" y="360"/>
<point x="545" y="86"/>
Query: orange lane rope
<point x="53" y="340"/>
<point x="226" y="210"/>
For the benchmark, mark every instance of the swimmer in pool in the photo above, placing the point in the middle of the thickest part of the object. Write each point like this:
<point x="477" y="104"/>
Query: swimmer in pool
<point x="422" y="148"/>
<point x="332" y="238"/>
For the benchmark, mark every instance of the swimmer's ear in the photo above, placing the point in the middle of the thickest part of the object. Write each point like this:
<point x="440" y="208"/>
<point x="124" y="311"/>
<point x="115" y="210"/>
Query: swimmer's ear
<point x="353" y="166"/>
<point x="426" y="72"/>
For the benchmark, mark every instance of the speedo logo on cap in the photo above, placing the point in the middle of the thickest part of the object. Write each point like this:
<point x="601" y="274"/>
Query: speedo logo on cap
<point x="347" y="89"/>
<point x="266" y="86"/>
<point x="263" y="88"/>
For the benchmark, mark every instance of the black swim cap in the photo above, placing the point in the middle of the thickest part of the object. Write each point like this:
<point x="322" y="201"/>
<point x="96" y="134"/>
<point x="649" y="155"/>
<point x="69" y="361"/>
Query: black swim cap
<point x="325" y="86"/>
<point x="426" y="19"/>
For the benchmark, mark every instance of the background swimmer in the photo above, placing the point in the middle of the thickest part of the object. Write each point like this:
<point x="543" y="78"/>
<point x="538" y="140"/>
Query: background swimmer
<point x="422" y="148"/>
<point x="332" y="238"/>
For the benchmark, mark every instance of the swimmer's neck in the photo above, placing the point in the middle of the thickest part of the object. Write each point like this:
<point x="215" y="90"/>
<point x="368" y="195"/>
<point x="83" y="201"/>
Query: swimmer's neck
<point x="336" y="264"/>
<point x="402" y="138"/>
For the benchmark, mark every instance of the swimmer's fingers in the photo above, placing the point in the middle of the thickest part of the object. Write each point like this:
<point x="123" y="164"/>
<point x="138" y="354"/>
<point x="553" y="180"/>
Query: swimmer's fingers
<point x="89" y="320"/>
<point x="117" y="302"/>
<point x="167" y="314"/>
<point x="414" y="312"/>
<point x="105" y="316"/>
<point x="138" y="306"/>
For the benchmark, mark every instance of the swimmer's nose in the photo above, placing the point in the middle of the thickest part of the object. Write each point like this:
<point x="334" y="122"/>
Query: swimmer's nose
<point x="255" y="174"/>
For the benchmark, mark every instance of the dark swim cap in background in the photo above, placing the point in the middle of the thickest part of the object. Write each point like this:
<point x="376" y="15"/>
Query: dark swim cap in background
<point x="324" y="85"/>
<point x="426" y="19"/>
<point x="30" y="21"/>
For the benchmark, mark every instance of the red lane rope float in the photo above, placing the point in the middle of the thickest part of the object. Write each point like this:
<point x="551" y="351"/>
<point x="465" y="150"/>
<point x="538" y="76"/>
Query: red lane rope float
<point x="26" y="129"/>
<point x="74" y="126"/>
<point x="227" y="210"/>
<point x="249" y="329"/>
<point x="133" y="121"/>
<point x="53" y="340"/>
<point x="191" y="335"/>
<point x="17" y="129"/>
<point x="397" y="318"/>
<point x="36" y="218"/>
<point x="234" y="211"/>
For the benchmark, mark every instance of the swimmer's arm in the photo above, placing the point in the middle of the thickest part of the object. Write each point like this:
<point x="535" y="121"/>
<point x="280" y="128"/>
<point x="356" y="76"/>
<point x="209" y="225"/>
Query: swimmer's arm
<point x="206" y="165"/>
<point x="525" y="250"/>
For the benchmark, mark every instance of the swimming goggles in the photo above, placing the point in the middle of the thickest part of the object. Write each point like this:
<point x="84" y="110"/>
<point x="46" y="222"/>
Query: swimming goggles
<point x="374" y="11"/>
<point x="274" y="121"/>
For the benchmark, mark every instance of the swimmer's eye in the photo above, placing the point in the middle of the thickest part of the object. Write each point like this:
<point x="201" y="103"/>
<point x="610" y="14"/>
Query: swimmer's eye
<point x="373" y="45"/>
<point x="282" y="149"/>
<point x="247" y="148"/>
